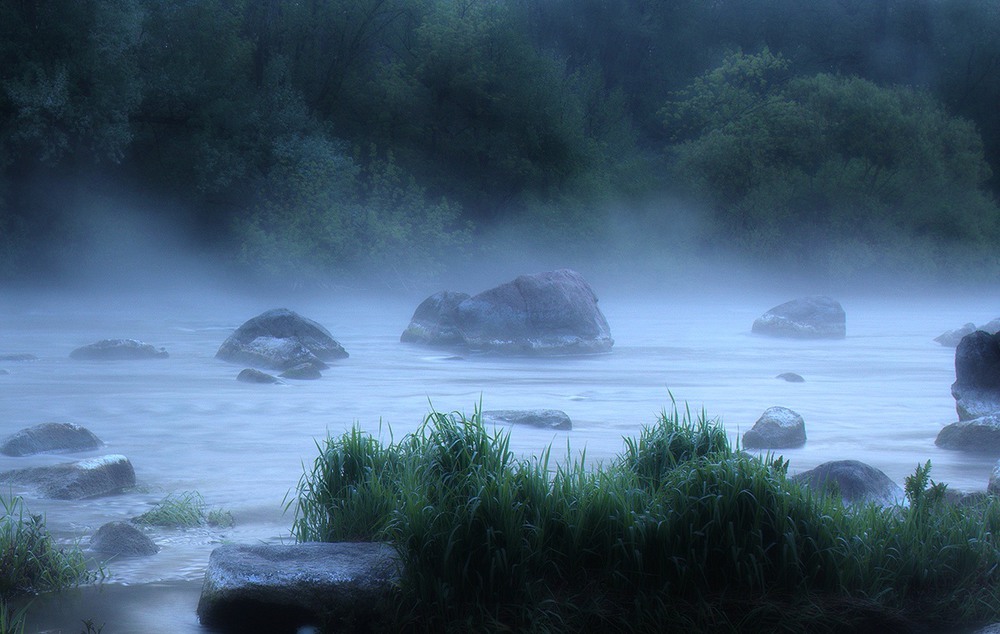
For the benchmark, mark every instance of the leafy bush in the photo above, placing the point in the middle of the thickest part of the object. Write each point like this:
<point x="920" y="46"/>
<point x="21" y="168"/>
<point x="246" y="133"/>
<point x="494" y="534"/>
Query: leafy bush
<point x="789" y="164"/>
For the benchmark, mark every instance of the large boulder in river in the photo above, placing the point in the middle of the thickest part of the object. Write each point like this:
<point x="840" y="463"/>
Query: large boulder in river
<point x="545" y="313"/>
<point x="49" y="437"/>
<point x="777" y="428"/>
<point x="77" y="480"/>
<point x="855" y="482"/>
<point x="118" y="350"/>
<point x="815" y="317"/>
<point x="271" y="588"/>
<point x="280" y="339"/>
<point x="977" y="375"/>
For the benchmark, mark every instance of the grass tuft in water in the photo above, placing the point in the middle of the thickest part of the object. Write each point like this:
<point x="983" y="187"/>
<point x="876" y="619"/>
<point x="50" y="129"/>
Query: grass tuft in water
<point x="184" y="510"/>
<point x="30" y="560"/>
<point x="679" y="533"/>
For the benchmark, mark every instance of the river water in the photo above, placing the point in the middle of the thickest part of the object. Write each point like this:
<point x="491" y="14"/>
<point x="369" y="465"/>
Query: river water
<point x="879" y="396"/>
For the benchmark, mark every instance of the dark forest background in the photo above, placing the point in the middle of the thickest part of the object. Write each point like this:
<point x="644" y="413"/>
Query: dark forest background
<point x="324" y="138"/>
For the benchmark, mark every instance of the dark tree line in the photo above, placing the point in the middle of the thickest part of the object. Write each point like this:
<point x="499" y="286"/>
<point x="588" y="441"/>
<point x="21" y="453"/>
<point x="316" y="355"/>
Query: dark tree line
<point x="328" y="135"/>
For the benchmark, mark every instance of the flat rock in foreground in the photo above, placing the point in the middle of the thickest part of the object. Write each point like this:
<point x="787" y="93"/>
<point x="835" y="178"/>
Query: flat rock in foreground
<point x="77" y="480"/>
<point x="275" y="588"/>
<point x="978" y="435"/>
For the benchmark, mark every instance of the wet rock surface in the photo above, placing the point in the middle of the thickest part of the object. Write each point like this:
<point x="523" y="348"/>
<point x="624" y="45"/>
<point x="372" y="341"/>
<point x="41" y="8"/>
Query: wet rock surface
<point x="118" y="350"/>
<point x="77" y="480"/>
<point x="545" y="418"/>
<point x="777" y="428"/>
<point x="122" y="539"/>
<point x="50" y="437"/>
<point x="977" y="375"/>
<point x="855" y="482"/>
<point x="253" y="375"/>
<point x="541" y="314"/>
<point x="280" y="339"/>
<point x="270" y="588"/>
<point x="979" y="435"/>
<point x="815" y="317"/>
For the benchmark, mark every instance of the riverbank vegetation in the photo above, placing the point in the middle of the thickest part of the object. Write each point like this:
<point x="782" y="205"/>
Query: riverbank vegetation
<point x="393" y="136"/>
<point x="679" y="533"/>
<point x="32" y="562"/>
<point x="185" y="510"/>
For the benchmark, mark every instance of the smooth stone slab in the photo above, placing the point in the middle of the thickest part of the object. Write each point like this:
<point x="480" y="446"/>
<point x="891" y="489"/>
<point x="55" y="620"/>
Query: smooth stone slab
<point x="274" y="588"/>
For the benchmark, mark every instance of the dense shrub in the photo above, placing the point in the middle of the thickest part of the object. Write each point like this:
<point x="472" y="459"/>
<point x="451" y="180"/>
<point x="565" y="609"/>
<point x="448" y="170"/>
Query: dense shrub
<point x="679" y="532"/>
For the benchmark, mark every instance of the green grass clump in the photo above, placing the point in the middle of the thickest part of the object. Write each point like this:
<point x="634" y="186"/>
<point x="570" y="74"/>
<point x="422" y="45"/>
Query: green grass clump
<point x="680" y="533"/>
<point x="30" y="561"/>
<point x="184" y="510"/>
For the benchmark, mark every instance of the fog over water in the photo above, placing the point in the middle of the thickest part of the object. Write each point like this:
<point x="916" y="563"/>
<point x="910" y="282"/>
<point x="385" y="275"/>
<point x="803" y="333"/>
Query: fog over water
<point x="880" y="396"/>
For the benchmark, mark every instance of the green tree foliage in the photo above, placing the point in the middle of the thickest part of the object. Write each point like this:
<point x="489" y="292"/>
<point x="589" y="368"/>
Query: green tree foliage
<point x="785" y="161"/>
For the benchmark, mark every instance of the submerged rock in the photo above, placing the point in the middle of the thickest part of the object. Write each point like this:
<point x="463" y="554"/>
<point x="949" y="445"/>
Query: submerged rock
<point x="815" y="317"/>
<point x="303" y="371"/>
<point x="545" y="418"/>
<point x="77" y="480"/>
<point x="855" y="482"/>
<point x="267" y="588"/>
<point x="777" y="428"/>
<point x="280" y="339"/>
<point x="50" y="437"/>
<point x="18" y="357"/>
<point x="791" y="377"/>
<point x="252" y="375"/>
<point x="117" y="350"/>
<point x="122" y="539"/>
<point x="545" y="313"/>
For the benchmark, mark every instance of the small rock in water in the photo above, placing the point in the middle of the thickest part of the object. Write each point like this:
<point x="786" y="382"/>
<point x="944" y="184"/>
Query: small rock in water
<point x="117" y="350"/>
<point x="49" y="437"/>
<point x="303" y="371"/>
<point x="547" y="418"/>
<point x="777" y="428"/>
<point x="77" y="480"/>
<point x="791" y="377"/>
<point x="18" y="357"/>
<point x="122" y="539"/>
<point x="252" y="375"/>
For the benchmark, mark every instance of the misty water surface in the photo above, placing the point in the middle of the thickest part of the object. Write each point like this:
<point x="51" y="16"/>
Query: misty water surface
<point x="880" y="396"/>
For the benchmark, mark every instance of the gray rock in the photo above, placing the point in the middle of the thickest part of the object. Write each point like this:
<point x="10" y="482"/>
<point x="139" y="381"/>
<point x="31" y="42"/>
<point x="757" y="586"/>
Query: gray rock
<point x="993" y="628"/>
<point x="980" y="435"/>
<point x="122" y="539"/>
<point x="545" y="418"/>
<point x="434" y="322"/>
<point x="50" y="437"/>
<point x="252" y="375"/>
<point x="77" y="480"/>
<point x="303" y="371"/>
<point x="118" y="350"/>
<point x="264" y="588"/>
<point x="280" y="339"/>
<point x="777" y="428"/>
<point x="856" y="483"/>
<point x="977" y="375"/>
<point x="952" y="338"/>
<point x="993" y="486"/>
<point x="791" y="377"/>
<point x="18" y="357"/>
<point x="4" y="372"/>
<point x="545" y="313"/>
<point x="815" y="317"/>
